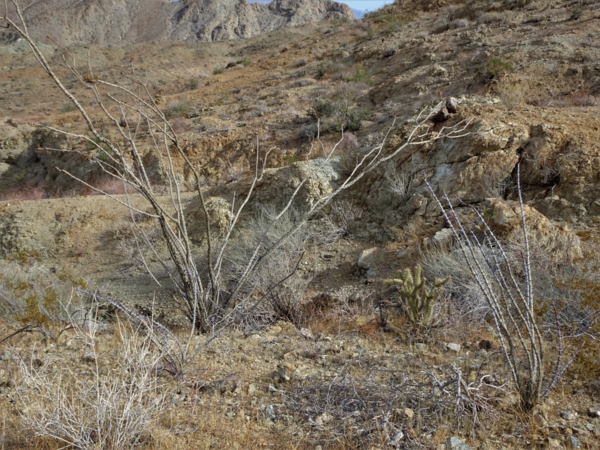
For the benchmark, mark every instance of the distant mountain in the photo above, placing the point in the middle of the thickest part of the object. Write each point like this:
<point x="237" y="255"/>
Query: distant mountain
<point x="130" y="21"/>
<point x="358" y="14"/>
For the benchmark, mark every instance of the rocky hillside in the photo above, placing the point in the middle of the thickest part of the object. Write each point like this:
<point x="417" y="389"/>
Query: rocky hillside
<point x="332" y="361"/>
<point x="129" y="21"/>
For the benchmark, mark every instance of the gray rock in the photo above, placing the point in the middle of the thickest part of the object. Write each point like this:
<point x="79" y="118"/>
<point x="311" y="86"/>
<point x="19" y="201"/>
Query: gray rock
<point x="454" y="443"/>
<point x="389" y="52"/>
<point x="442" y="237"/>
<point x="554" y="444"/>
<point x="452" y="347"/>
<point x="420" y="347"/>
<point x="573" y="442"/>
<point x="441" y="116"/>
<point x="394" y="441"/>
<point x="567" y="415"/>
<point x="367" y="258"/>
<point x="594" y="411"/>
<point x="451" y="105"/>
<point x="269" y="413"/>
<point x="4" y="168"/>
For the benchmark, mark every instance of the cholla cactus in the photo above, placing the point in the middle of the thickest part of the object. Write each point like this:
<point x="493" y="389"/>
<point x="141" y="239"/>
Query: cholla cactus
<point x="418" y="298"/>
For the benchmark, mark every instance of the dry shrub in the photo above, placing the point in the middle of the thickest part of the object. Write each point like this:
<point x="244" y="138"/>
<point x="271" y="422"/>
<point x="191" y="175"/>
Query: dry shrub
<point x="276" y="270"/>
<point x="464" y="298"/>
<point x="573" y="307"/>
<point x="110" y="186"/>
<point x="348" y="142"/>
<point x="181" y="125"/>
<point x="22" y="193"/>
<point x="113" y="410"/>
<point x="289" y="305"/>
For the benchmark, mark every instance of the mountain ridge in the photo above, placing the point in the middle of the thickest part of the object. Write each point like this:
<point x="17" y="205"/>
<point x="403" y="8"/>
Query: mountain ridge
<point x="103" y="22"/>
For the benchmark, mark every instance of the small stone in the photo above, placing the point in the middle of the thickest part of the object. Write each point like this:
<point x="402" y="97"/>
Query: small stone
<point x="594" y="411"/>
<point x="454" y="443"/>
<point x="395" y="440"/>
<point x="451" y="105"/>
<point x="441" y="116"/>
<point x="324" y="418"/>
<point x="285" y="371"/>
<point x="567" y="415"/>
<point x="89" y="357"/>
<point x="307" y="334"/>
<point x="453" y="347"/>
<point x="390" y="51"/>
<point x="367" y="258"/>
<point x="269" y="413"/>
<point x="443" y="237"/>
<point x="554" y="444"/>
<point x="251" y="390"/>
<point x="573" y="442"/>
<point x="420" y="347"/>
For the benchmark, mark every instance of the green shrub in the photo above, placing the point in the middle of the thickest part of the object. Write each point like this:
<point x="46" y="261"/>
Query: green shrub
<point x="47" y="305"/>
<point x="361" y="75"/>
<point x="323" y="69"/>
<point x="322" y="108"/>
<point x="337" y="114"/>
<point x="192" y="84"/>
<point x="68" y="106"/>
<point x="183" y="108"/>
<point x="497" y="67"/>
<point x="307" y="132"/>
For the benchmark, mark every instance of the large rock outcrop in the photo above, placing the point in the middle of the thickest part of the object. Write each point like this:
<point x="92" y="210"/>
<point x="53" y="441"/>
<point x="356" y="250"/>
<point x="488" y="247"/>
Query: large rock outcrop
<point x="130" y="21"/>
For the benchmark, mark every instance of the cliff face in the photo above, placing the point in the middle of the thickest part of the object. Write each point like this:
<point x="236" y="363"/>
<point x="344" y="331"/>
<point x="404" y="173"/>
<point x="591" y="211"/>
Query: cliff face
<point x="131" y="21"/>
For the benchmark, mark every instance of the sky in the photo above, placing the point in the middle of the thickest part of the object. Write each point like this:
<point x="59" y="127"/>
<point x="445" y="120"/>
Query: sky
<point x="361" y="5"/>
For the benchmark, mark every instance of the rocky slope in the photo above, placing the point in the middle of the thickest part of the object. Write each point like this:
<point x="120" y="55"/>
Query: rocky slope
<point x="104" y="22"/>
<point x="526" y="76"/>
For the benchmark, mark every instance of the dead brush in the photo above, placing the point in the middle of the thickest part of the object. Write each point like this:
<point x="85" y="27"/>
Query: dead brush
<point x="22" y="193"/>
<point x="112" y="411"/>
<point x="385" y="406"/>
<point x="507" y="285"/>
